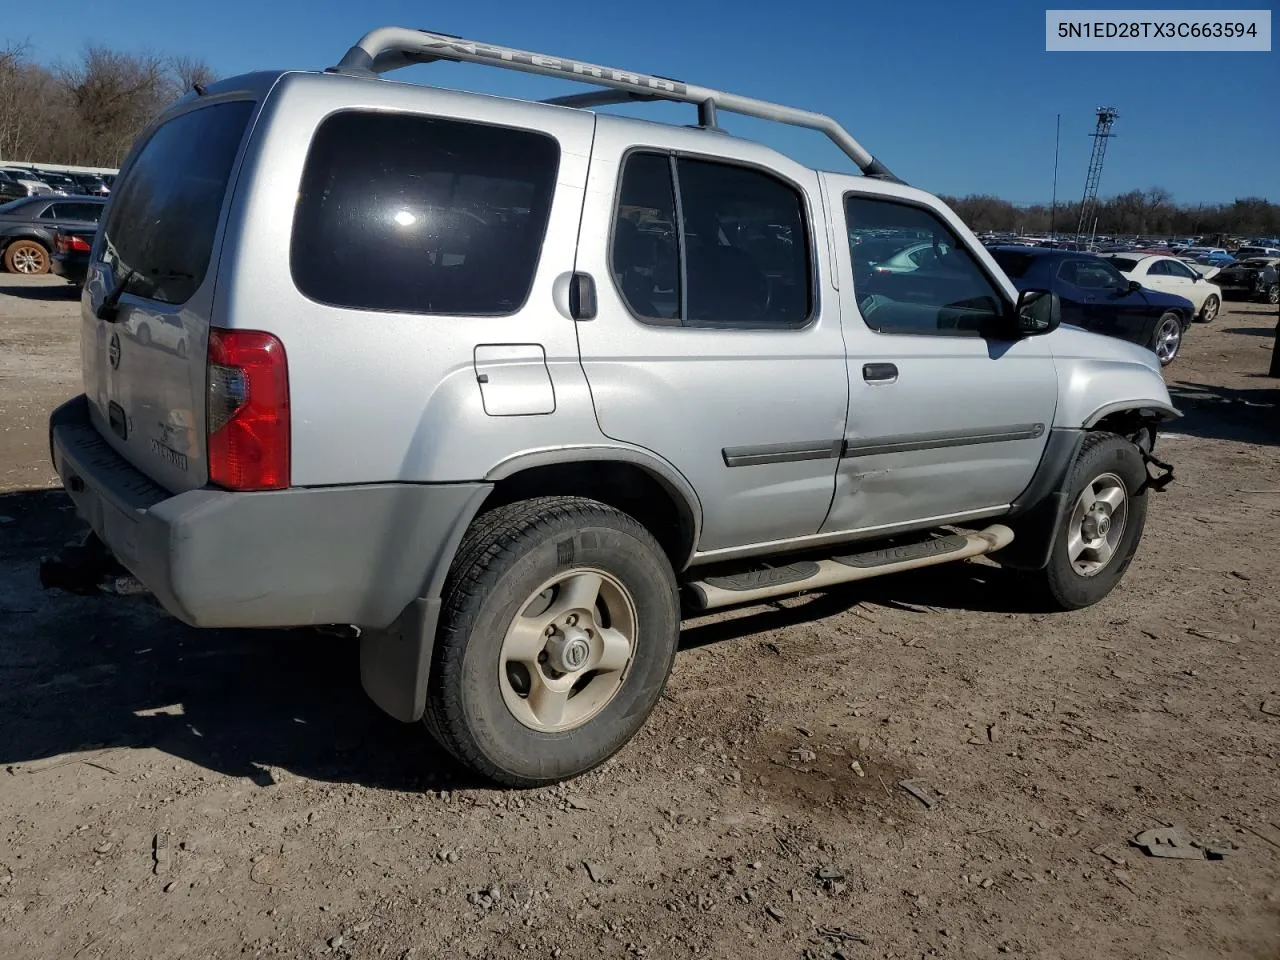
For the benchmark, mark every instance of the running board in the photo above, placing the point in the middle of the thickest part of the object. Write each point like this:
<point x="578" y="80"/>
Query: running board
<point x="763" y="584"/>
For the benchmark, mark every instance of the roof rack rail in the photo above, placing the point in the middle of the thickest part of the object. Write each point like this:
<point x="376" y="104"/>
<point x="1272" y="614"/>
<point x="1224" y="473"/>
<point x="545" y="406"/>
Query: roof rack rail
<point x="391" y="48"/>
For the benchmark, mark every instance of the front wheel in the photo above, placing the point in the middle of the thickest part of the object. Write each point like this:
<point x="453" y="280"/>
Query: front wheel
<point x="558" y="630"/>
<point x="1273" y="293"/>
<point x="1167" y="339"/>
<point x="1098" y="534"/>
<point x="1209" y="312"/>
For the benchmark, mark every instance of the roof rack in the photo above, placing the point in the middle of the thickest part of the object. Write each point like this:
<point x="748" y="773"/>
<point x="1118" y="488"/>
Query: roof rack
<point x="391" y="48"/>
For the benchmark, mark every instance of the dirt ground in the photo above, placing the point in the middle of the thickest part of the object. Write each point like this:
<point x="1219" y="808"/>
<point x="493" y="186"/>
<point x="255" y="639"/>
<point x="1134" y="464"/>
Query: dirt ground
<point x="759" y="813"/>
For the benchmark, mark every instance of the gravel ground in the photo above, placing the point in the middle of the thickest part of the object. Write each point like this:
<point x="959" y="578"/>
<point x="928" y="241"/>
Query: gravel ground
<point x="166" y="792"/>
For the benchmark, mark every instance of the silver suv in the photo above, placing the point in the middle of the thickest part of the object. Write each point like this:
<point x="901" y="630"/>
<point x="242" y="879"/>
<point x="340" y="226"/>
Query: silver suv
<point x="507" y="385"/>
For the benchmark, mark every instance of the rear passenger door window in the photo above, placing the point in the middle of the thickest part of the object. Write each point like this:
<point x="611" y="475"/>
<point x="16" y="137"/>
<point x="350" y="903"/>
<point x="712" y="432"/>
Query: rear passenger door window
<point x="911" y="274"/>
<point x="418" y="214"/>
<point x="708" y="244"/>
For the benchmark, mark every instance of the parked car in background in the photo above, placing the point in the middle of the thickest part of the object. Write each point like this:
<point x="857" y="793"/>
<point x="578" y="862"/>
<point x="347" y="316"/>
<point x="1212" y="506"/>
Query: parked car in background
<point x="11" y="189"/>
<point x="60" y="183"/>
<point x="1097" y="297"/>
<point x="27" y="228"/>
<point x="90" y="185"/>
<point x="1253" y="253"/>
<point x="1170" y="275"/>
<point x="35" y="186"/>
<point x="1252" y="279"/>
<point x="71" y="248"/>
<point x="1215" y="256"/>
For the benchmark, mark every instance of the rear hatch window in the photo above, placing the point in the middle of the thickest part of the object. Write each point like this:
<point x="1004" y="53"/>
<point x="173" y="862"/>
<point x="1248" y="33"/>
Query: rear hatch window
<point x="165" y="212"/>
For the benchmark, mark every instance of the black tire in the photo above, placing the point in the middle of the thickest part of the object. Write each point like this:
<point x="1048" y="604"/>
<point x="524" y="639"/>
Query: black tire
<point x="1060" y="585"/>
<point x="508" y="552"/>
<point x="1273" y="294"/>
<point x="1167" y="350"/>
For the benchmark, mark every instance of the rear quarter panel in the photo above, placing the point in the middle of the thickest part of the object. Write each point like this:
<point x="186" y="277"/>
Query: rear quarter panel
<point x="389" y="396"/>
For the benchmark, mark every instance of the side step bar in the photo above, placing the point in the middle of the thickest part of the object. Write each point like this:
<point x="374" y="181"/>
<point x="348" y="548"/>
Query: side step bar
<point x="763" y="584"/>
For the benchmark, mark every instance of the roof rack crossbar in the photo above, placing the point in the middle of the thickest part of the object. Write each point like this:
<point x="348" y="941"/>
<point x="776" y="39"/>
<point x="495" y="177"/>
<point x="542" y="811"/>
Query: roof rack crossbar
<point x="391" y="48"/>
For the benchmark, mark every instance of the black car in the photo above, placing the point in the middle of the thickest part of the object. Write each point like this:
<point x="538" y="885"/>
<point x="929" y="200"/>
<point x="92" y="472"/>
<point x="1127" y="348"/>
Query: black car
<point x="90" y="185"/>
<point x="60" y="182"/>
<point x="11" y="189"/>
<point x="1257" y="278"/>
<point x="27" y="227"/>
<point x="71" y="248"/>
<point x="1096" y="297"/>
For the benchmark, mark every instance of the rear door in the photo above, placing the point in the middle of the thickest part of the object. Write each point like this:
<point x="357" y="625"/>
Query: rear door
<point x="144" y="373"/>
<point x="717" y="343"/>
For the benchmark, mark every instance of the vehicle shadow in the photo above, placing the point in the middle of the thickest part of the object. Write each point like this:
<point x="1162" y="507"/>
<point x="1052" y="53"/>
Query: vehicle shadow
<point x="1251" y="331"/>
<point x="1226" y="413"/>
<point x="86" y="672"/>
<point x="48" y="292"/>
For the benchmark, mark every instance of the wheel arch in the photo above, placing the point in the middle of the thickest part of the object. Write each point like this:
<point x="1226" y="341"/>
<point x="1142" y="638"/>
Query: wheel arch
<point x="10" y="239"/>
<point x="633" y="481"/>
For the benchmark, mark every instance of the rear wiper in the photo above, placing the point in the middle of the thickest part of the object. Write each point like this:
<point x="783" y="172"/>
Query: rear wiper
<point x="110" y="305"/>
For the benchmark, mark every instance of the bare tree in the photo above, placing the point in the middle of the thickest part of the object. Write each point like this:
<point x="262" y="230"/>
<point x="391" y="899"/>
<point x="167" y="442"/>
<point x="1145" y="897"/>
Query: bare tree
<point x="188" y="73"/>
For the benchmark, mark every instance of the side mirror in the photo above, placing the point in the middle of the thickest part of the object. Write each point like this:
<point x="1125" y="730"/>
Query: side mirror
<point x="1134" y="287"/>
<point x="1038" y="311"/>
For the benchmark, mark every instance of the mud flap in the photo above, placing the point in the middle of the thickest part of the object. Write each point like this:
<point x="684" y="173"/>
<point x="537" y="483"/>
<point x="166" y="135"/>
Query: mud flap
<point x="395" y="663"/>
<point x="1159" y="481"/>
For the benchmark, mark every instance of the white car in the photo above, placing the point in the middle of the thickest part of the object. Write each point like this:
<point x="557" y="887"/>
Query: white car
<point x="35" y="188"/>
<point x="1170" y="275"/>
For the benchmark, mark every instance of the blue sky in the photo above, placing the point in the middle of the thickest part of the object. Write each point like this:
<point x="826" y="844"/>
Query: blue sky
<point x="953" y="97"/>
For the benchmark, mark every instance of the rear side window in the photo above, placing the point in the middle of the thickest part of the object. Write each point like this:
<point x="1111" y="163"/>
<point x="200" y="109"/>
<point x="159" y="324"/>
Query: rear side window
<point x="421" y="214"/>
<point x="77" y="211"/>
<point x="166" y="208"/>
<point x="737" y="256"/>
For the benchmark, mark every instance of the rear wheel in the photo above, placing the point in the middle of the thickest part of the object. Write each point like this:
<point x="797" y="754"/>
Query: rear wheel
<point x="1098" y="534"/>
<point x="558" y="631"/>
<point x="1273" y="293"/>
<point x="26" y="256"/>
<point x="1167" y="339"/>
<point x="1209" y="312"/>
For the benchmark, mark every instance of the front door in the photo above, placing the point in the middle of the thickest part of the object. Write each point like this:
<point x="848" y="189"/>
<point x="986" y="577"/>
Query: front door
<point x="945" y="423"/>
<point x="717" y="340"/>
<point x="1096" y="296"/>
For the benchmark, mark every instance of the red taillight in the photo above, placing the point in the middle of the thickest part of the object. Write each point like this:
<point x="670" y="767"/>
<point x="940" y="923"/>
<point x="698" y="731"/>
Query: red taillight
<point x="248" y="411"/>
<point x="70" y="244"/>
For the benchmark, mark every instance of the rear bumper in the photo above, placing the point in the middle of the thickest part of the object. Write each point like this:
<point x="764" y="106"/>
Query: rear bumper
<point x="297" y="557"/>
<point x="70" y="268"/>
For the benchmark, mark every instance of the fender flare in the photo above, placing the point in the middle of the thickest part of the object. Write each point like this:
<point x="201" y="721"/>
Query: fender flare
<point x="1157" y="410"/>
<point x="663" y="471"/>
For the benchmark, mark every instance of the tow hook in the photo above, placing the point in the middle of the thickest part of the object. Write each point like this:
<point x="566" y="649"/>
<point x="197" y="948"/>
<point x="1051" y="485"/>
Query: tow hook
<point x="86" y="567"/>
